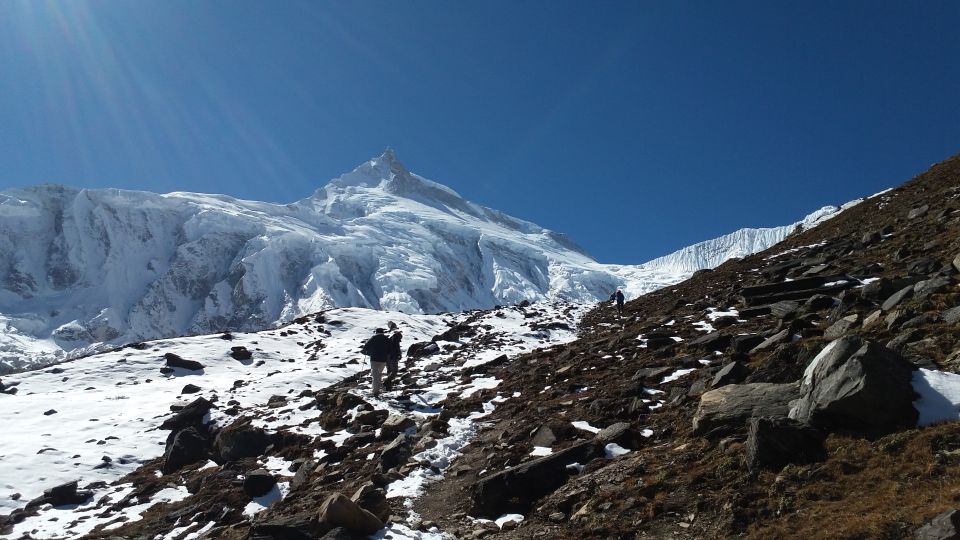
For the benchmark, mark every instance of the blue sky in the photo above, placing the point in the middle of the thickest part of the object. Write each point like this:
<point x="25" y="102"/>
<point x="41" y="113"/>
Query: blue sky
<point x="635" y="127"/>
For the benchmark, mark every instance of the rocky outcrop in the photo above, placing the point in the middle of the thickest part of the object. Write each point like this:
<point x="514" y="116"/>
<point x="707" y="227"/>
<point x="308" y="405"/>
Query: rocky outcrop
<point x="857" y="385"/>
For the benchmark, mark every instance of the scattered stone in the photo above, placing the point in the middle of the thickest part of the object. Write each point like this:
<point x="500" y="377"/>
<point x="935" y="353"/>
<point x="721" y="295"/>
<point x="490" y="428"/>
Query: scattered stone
<point x="61" y="495"/>
<point x="841" y="327"/>
<point x="896" y="298"/>
<point x="746" y="342"/>
<point x="714" y="341"/>
<point x="258" y="482"/>
<point x="397" y="452"/>
<point x="732" y="373"/>
<point x="396" y="423"/>
<point x="239" y="352"/>
<point x="189" y="415"/>
<point x="918" y="212"/>
<point x="190" y="389"/>
<point x="176" y="361"/>
<point x="772" y="341"/>
<point x="50" y="412"/>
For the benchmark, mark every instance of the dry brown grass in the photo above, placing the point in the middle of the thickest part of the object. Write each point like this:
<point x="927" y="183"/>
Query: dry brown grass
<point x="880" y="489"/>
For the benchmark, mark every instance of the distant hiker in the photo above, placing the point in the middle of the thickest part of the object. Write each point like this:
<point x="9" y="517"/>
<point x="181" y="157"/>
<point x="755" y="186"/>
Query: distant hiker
<point x="378" y="349"/>
<point x="618" y="296"/>
<point x="393" y="360"/>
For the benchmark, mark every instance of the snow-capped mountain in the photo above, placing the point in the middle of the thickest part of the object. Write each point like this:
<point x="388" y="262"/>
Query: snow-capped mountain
<point x="83" y="268"/>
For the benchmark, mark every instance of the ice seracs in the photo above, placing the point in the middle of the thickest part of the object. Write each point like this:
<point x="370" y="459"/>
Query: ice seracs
<point x="84" y="269"/>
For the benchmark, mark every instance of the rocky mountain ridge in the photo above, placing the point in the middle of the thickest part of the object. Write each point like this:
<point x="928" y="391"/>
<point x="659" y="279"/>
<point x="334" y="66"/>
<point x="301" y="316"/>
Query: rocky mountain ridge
<point x="83" y="270"/>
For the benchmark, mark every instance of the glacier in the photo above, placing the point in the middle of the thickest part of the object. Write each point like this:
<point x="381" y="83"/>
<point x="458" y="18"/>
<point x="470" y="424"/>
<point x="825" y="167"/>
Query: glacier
<point x="82" y="270"/>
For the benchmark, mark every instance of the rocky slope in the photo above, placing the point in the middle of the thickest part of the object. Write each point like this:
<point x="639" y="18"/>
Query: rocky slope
<point x="757" y="427"/>
<point x="84" y="269"/>
<point x="668" y="422"/>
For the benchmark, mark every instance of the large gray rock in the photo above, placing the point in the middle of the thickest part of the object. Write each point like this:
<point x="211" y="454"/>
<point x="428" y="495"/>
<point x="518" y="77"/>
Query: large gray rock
<point x="841" y="327"/>
<point x="397" y="452"/>
<point x="857" y="385"/>
<point x="258" y="482"/>
<point x="372" y="499"/>
<point x="189" y="445"/>
<point x="951" y="315"/>
<point x="732" y="373"/>
<point x="240" y="440"/>
<point x="945" y="526"/>
<point x="340" y="511"/>
<point x="730" y="407"/>
<point x="931" y="286"/>
<point x="517" y="488"/>
<point x="896" y="298"/>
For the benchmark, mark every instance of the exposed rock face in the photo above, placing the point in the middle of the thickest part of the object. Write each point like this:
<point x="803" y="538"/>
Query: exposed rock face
<point x="857" y="385"/>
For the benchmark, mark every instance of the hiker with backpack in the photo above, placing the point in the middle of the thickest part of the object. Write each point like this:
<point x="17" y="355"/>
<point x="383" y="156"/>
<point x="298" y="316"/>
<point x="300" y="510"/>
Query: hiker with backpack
<point x="378" y="349"/>
<point x="393" y="360"/>
<point x="618" y="296"/>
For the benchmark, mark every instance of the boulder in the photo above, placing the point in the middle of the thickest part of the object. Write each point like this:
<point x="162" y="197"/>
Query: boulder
<point x="728" y="408"/>
<point x="732" y="373"/>
<point x="773" y="443"/>
<point x="956" y="263"/>
<point x="945" y="526"/>
<point x="373" y="499"/>
<point x="240" y="440"/>
<point x="422" y="349"/>
<point x="931" y="286"/>
<point x="396" y="423"/>
<point x="258" y="482"/>
<point x="239" y="352"/>
<point x="176" y="361"/>
<point x="857" y="385"/>
<point x="841" y="327"/>
<point x="517" y="488"/>
<point x="190" y="389"/>
<point x="619" y="433"/>
<point x="189" y="445"/>
<point x="877" y="291"/>
<point x="61" y="495"/>
<point x="340" y="511"/>
<point x="896" y="298"/>
<point x="190" y="415"/>
<point x="397" y="452"/>
<point x="918" y="212"/>
<point x="714" y="341"/>
<point x="772" y="341"/>
<point x="651" y="373"/>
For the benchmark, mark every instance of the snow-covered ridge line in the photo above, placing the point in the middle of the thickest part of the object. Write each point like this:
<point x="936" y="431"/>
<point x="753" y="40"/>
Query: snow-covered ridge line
<point x="81" y="270"/>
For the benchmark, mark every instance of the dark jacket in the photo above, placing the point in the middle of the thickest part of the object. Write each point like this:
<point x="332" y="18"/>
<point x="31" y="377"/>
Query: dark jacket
<point x="377" y="348"/>
<point x="395" y="351"/>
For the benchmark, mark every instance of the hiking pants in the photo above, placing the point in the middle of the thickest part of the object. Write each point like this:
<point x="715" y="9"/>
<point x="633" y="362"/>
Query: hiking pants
<point x="376" y="371"/>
